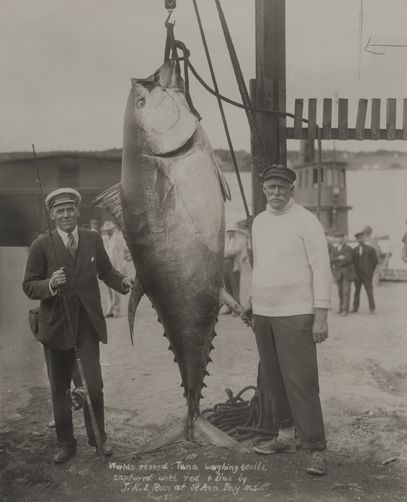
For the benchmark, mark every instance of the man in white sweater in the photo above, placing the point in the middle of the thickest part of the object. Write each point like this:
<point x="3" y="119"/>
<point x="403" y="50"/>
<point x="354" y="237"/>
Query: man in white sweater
<point x="290" y="300"/>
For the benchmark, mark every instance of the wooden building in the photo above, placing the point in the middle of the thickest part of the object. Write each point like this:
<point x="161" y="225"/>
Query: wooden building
<point x="334" y="206"/>
<point x="21" y="207"/>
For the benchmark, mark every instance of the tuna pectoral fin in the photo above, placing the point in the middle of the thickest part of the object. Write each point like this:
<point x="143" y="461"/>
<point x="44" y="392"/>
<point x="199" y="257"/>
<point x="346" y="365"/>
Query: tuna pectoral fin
<point x="111" y="200"/>
<point x="136" y="294"/>
<point x="226" y="299"/>
<point x="202" y="432"/>
<point x="223" y="185"/>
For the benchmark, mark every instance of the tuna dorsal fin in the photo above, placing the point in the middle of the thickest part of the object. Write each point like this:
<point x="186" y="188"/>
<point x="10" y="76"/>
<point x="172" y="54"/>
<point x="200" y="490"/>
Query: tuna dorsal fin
<point x="136" y="294"/>
<point x="111" y="200"/>
<point x="223" y="185"/>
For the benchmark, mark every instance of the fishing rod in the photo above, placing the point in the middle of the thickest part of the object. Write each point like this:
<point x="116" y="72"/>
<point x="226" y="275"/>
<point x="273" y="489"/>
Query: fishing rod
<point x="95" y="427"/>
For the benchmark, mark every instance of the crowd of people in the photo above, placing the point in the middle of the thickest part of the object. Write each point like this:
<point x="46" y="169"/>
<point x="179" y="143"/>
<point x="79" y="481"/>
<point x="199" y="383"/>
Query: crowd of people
<point x="354" y="265"/>
<point x="353" y="262"/>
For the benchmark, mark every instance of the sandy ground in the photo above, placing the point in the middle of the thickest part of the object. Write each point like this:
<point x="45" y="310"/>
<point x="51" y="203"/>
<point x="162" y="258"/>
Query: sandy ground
<point x="363" y="372"/>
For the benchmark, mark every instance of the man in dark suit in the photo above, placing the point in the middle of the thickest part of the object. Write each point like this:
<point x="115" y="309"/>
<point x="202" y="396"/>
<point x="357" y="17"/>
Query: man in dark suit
<point x="365" y="261"/>
<point x="64" y="266"/>
<point x="343" y="271"/>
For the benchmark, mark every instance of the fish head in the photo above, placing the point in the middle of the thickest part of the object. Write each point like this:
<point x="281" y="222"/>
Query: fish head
<point x="158" y="120"/>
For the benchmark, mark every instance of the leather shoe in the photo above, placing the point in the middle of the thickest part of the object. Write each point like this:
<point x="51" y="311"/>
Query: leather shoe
<point x="276" y="445"/>
<point x="107" y="449"/>
<point x="64" y="453"/>
<point x="317" y="465"/>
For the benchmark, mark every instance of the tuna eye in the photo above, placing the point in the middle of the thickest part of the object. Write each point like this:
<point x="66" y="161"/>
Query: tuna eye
<point x="141" y="102"/>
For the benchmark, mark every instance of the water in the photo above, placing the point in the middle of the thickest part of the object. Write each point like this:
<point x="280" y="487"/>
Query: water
<point x="378" y="199"/>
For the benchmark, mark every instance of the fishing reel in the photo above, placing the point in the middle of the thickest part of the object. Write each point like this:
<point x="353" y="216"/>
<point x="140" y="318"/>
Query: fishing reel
<point x="76" y="397"/>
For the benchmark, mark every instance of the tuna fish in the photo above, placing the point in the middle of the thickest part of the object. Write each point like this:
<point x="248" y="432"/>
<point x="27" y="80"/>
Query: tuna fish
<point x="170" y="205"/>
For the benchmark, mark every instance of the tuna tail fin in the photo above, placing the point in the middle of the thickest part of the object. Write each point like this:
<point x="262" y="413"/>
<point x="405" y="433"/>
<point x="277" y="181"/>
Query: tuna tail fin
<point x="193" y="398"/>
<point x="202" y="432"/>
<point x="111" y="200"/>
<point x="136" y="294"/>
<point x="226" y="299"/>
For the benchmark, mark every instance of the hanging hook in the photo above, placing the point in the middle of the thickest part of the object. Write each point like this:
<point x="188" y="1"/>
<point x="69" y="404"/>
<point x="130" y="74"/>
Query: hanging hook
<point x="167" y="21"/>
<point x="170" y="6"/>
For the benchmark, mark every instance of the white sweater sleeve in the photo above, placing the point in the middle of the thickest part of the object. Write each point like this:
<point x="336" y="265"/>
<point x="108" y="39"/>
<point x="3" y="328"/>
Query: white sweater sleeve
<point x="316" y="248"/>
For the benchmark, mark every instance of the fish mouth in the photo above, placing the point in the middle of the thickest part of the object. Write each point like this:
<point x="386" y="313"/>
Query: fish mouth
<point x="184" y="149"/>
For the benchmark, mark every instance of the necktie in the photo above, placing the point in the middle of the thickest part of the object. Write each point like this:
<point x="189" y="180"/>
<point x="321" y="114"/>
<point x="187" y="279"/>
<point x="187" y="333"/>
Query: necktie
<point x="71" y="245"/>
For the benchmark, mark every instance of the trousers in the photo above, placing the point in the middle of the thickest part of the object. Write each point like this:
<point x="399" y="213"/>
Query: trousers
<point x="288" y="361"/>
<point x="113" y="302"/>
<point x="344" y="286"/>
<point x="368" y="285"/>
<point x="61" y="367"/>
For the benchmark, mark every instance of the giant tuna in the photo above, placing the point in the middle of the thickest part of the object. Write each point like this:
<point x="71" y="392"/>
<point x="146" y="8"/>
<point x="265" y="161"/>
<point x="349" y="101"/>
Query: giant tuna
<point x="170" y="206"/>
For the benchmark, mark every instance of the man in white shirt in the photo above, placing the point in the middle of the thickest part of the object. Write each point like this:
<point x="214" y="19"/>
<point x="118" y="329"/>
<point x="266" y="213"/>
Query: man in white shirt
<point x="290" y="299"/>
<point x="234" y="247"/>
<point x="62" y="270"/>
<point x="115" y="246"/>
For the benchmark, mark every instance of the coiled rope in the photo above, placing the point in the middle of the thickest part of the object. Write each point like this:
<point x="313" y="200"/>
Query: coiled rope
<point x="238" y="417"/>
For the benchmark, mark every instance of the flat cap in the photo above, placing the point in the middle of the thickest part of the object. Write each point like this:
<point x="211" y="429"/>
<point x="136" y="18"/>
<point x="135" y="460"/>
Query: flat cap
<point x="63" y="196"/>
<point x="359" y="234"/>
<point x="278" y="171"/>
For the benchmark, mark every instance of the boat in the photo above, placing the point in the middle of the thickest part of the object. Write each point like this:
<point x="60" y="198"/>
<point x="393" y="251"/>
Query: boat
<point x="393" y="274"/>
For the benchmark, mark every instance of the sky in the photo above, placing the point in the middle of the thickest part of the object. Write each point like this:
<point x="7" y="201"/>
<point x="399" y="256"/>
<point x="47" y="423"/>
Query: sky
<point x="65" y="65"/>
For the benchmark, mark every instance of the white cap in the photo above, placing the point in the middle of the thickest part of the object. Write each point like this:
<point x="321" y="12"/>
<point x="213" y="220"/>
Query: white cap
<point x="63" y="196"/>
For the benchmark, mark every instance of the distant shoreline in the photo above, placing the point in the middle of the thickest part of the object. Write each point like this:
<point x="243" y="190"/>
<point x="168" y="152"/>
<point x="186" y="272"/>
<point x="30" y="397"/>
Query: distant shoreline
<point x="381" y="160"/>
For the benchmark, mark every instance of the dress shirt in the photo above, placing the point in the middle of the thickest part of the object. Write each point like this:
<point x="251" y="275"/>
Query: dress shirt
<point x="64" y="237"/>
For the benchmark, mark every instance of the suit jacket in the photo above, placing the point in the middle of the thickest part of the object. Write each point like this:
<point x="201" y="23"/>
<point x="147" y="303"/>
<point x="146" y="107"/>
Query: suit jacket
<point x="365" y="264"/>
<point x="342" y="262"/>
<point x="82" y="287"/>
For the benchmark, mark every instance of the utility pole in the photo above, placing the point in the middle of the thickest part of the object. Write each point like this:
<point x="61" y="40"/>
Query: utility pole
<point x="269" y="91"/>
